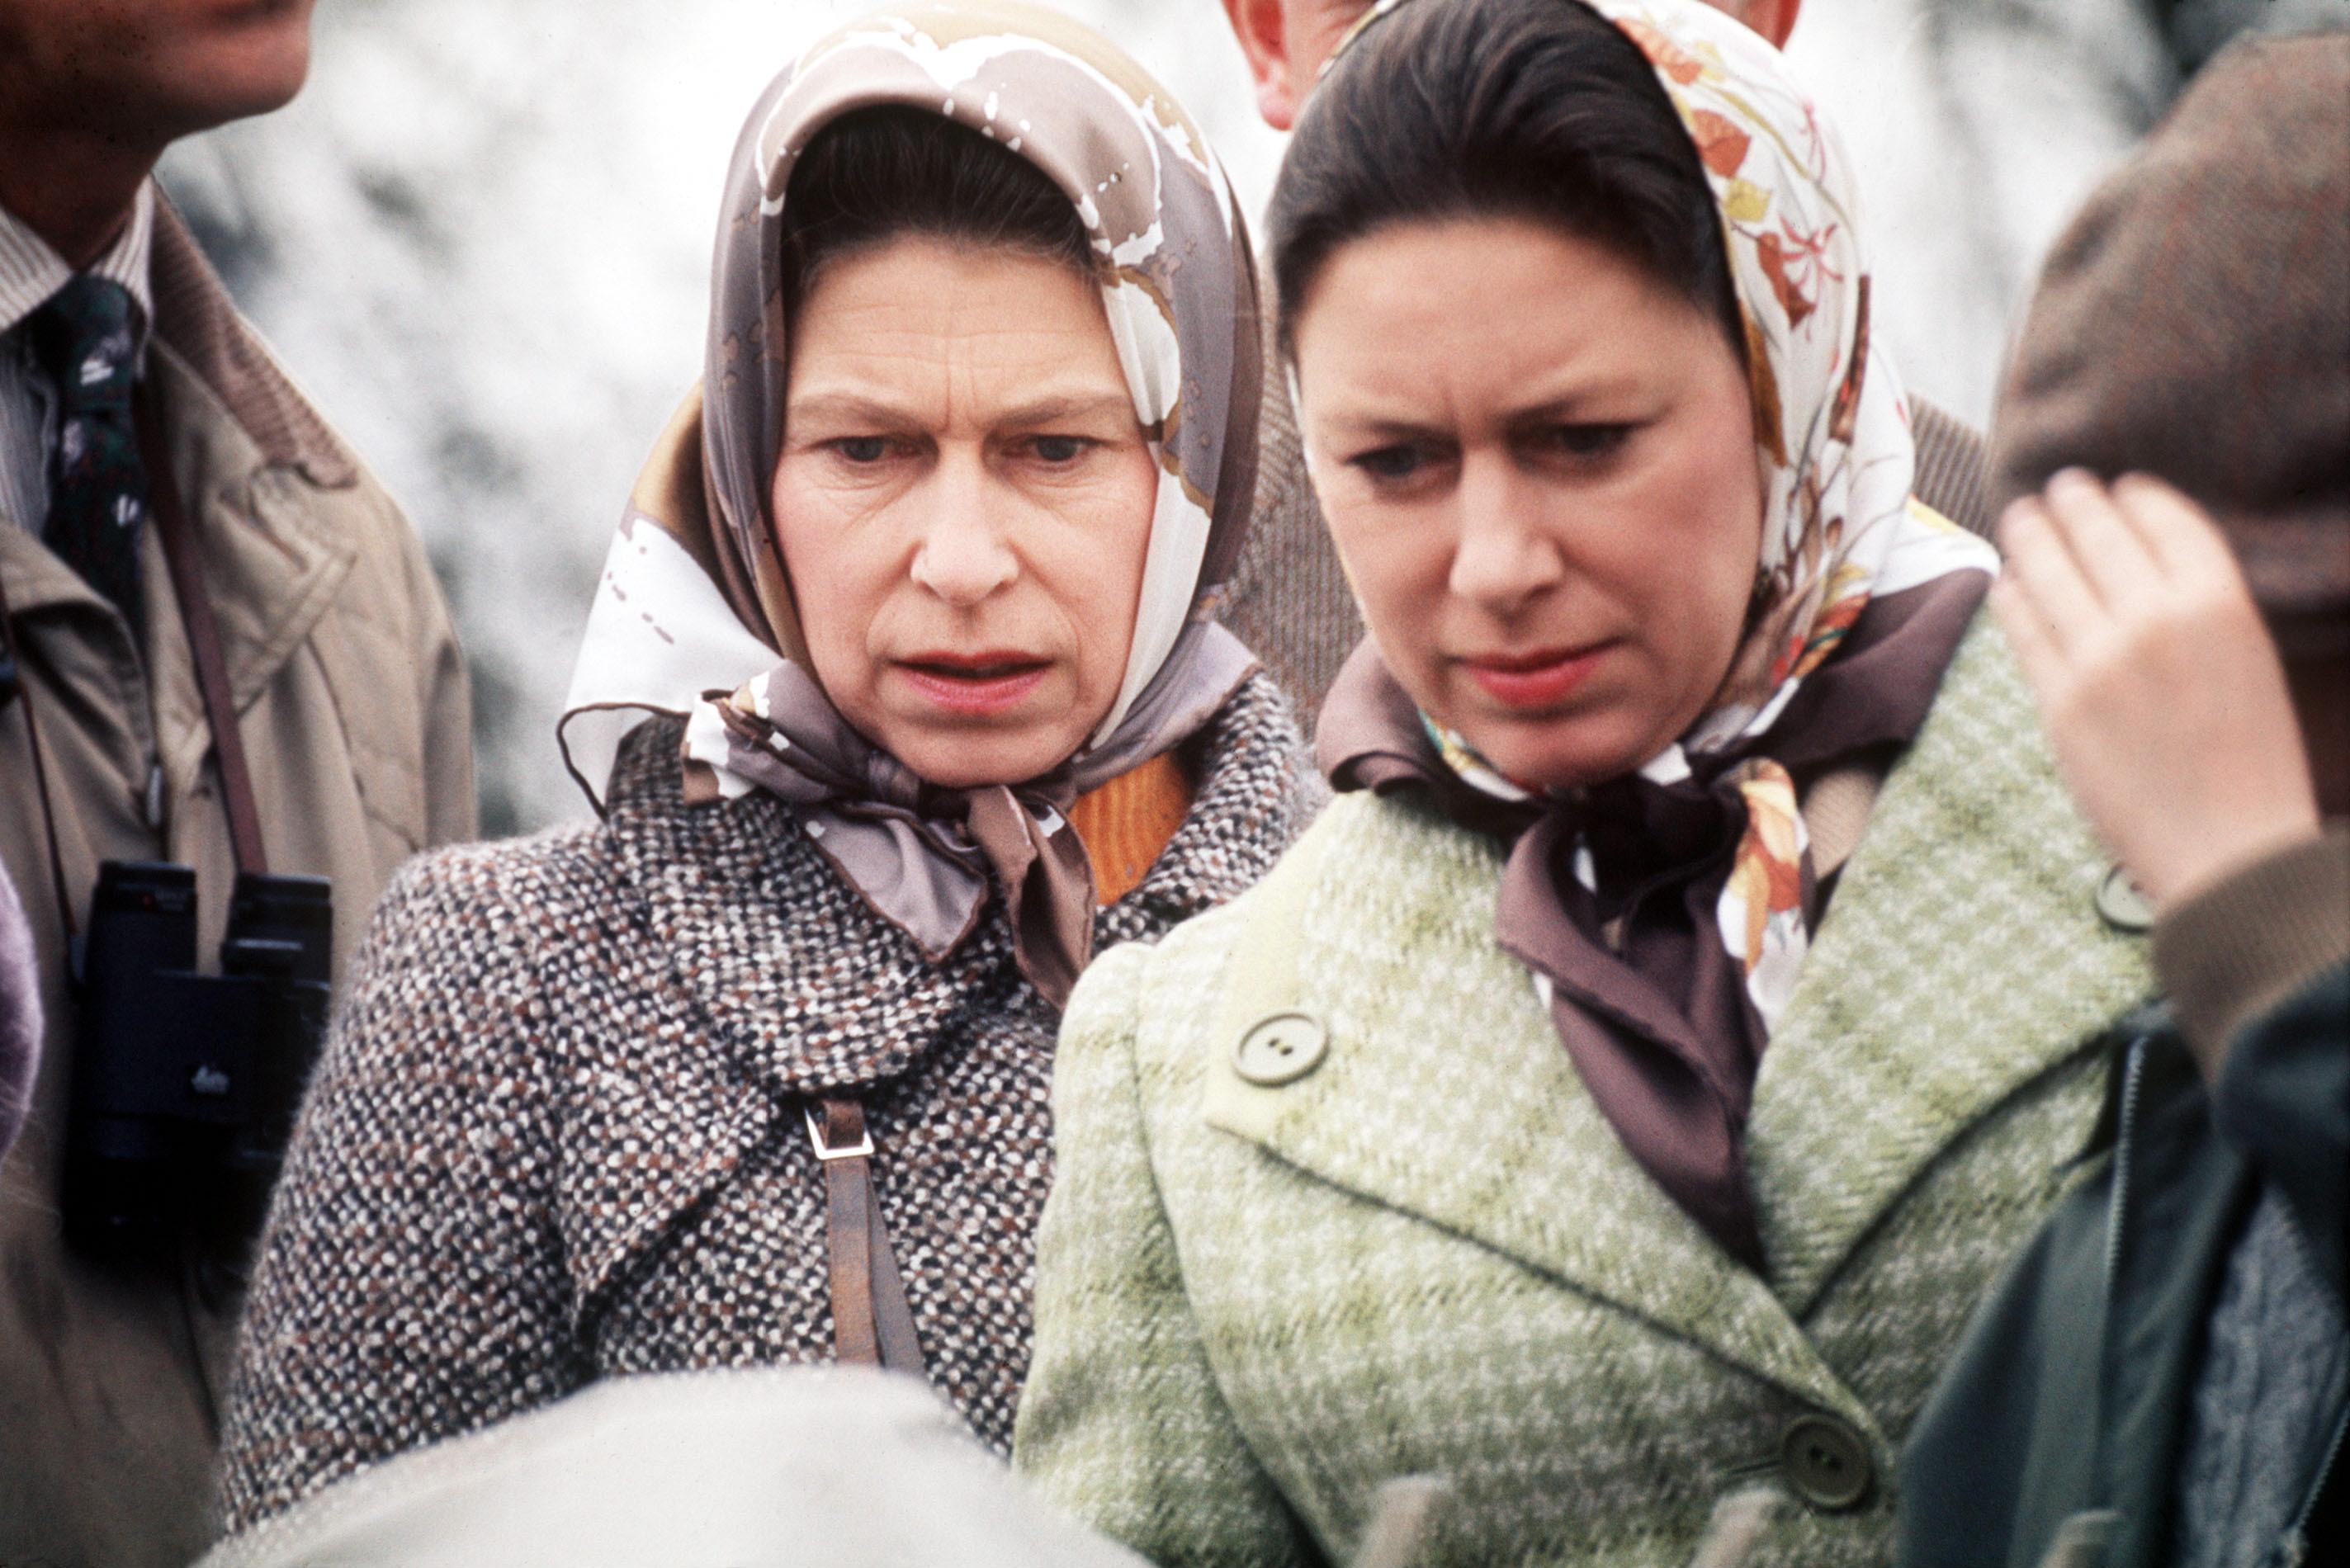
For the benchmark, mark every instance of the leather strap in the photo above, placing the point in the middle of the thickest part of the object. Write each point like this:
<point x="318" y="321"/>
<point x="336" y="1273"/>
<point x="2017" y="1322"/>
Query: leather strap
<point x="871" y="1323"/>
<point x="204" y="644"/>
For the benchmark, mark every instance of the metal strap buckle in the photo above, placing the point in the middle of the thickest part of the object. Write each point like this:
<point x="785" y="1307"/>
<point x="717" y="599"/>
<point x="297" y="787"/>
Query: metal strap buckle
<point x="863" y="1148"/>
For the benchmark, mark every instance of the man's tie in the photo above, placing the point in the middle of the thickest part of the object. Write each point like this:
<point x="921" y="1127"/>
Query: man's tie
<point x="86" y="339"/>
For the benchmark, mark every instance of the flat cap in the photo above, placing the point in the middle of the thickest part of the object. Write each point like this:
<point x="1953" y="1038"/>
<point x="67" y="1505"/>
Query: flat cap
<point x="2194" y="321"/>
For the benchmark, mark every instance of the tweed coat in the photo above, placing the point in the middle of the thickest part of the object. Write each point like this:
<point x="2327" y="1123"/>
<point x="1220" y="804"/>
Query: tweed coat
<point x="1432" y="1254"/>
<point x="557" y="1134"/>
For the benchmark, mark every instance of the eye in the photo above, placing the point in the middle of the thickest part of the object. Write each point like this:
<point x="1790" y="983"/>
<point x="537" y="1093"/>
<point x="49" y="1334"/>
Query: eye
<point x="1058" y="449"/>
<point x="1582" y="443"/>
<point x="1392" y="464"/>
<point x="862" y="450"/>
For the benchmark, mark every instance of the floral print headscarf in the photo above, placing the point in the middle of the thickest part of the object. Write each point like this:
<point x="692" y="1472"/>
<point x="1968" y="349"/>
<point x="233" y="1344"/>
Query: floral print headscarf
<point x="694" y="614"/>
<point x="1841" y="532"/>
<point x="1839" y="526"/>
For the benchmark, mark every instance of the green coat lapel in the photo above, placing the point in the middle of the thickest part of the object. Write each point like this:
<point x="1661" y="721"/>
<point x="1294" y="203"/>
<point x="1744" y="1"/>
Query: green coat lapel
<point x="1455" y="1101"/>
<point x="1961" y="959"/>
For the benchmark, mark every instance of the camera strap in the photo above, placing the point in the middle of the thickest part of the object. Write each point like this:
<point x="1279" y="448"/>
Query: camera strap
<point x="204" y="642"/>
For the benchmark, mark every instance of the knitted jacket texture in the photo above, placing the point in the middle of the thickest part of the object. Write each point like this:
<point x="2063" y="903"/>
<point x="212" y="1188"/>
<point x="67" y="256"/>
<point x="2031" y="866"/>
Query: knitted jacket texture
<point x="557" y="1132"/>
<point x="1428" y="1253"/>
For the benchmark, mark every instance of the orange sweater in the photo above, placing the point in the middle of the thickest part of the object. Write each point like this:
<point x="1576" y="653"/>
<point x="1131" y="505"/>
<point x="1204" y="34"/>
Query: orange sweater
<point x="1127" y="822"/>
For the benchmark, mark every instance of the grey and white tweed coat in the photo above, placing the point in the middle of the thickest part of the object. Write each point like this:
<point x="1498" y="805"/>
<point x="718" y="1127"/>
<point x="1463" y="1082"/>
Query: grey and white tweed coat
<point x="556" y="1135"/>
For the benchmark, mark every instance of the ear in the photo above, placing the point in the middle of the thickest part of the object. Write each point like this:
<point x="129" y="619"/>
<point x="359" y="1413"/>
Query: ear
<point x="1263" y="29"/>
<point x="1774" y="19"/>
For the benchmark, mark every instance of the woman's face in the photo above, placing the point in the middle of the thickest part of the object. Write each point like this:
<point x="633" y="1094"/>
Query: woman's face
<point x="1540" y="467"/>
<point x="963" y="502"/>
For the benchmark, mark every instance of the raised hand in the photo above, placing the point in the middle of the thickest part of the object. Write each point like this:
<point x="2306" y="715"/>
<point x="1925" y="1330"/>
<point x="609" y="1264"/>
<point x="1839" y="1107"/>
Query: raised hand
<point x="2163" y="696"/>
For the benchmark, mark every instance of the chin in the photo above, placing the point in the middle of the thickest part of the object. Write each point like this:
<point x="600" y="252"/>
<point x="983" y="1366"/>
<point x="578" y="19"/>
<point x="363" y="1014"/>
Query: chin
<point x="968" y="761"/>
<point x="258" y="71"/>
<point x="1554" y="756"/>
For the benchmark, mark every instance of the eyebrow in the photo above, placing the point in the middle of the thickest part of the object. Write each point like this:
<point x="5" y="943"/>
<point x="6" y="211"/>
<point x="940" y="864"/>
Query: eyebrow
<point x="1571" y="409"/>
<point x="1046" y="410"/>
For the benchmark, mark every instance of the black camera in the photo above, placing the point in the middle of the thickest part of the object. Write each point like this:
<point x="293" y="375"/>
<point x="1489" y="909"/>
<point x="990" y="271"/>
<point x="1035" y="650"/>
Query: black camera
<point x="185" y="1084"/>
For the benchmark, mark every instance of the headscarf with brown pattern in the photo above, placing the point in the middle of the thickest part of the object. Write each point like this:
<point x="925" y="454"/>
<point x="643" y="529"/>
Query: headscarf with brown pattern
<point x="695" y="614"/>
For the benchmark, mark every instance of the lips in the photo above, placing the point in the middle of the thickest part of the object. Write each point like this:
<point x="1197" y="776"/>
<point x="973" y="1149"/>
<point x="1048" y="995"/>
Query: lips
<point x="975" y="683"/>
<point x="1536" y="679"/>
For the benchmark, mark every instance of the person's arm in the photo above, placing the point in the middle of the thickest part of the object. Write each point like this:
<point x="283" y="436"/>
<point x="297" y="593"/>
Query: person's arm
<point x="2171" y="717"/>
<point x="2257" y="968"/>
<point x="1122" y="1423"/>
<point x="2165" y="700"/>
<point x="410" y="1283"/>
<point x="451" y="810"/>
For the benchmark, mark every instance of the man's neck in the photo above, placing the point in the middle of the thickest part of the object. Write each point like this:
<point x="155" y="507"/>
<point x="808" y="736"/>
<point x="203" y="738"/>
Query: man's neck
<point x="74" y="188"/>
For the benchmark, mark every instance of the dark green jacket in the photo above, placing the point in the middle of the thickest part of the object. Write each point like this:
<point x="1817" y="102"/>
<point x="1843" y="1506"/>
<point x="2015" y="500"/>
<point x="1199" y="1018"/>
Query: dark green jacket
<point x="2056" y="1435"/>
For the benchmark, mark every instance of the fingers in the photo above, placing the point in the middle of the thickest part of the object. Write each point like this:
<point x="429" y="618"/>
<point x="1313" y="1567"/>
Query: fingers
<point x="2086" y="559"/>
<point x="2027" y="632"/>
<point x="2107" y="544"/>
<point x="2185" y="543"/>
<point x="2042" y="579"/>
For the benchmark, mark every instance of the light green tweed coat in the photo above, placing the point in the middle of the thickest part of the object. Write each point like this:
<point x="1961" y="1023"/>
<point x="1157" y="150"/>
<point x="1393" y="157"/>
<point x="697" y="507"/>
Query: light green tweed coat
<point x="1432" y="1254"/>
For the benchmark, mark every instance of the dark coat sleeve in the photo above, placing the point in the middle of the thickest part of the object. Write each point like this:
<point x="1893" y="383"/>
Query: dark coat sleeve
<point x="2283" y="1099"/>
<point x="410" y="1283"/>
<point x="2001" y="1453"/>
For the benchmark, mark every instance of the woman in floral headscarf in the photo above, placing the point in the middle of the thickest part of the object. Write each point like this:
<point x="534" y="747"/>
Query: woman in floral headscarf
<point x="754" y="1071"/>
<point x="1615" y="1103"/>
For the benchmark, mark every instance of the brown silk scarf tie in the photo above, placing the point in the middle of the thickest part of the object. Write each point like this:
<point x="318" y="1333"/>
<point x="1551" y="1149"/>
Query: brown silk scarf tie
<point x="920" y="855"/>
<point x="1048" y="886"/>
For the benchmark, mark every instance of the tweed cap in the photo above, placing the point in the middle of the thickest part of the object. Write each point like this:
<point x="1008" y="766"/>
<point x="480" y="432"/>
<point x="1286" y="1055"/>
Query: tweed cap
<point x="2194" y="321"/>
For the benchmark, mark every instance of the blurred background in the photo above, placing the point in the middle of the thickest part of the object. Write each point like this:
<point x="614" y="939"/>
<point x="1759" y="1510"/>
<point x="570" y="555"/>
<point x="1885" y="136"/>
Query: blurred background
<point x="481" y="239"/>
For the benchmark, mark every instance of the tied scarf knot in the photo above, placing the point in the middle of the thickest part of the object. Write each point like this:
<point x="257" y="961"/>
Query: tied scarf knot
<point x="1048" y="886"/>
<point x="1760" y="911"/>
<point x="1644" y="835"/>
<point x="918" y="855"/>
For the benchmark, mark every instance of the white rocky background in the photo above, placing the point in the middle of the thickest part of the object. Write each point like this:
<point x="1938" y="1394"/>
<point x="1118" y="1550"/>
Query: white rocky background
<point x="481" y="239"/>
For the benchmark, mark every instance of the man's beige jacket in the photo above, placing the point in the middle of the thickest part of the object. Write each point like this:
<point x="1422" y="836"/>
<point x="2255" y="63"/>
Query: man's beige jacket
<point x="353" y="704"/>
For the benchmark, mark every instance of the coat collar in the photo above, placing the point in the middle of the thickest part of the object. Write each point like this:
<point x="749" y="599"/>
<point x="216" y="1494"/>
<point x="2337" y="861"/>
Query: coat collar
<point x="808" y="989"/>
<point x="1455" y="1101"/>
<point x="272" y="563"/>
<point x="252" y="463"/>
<point x="194" y="314"/>
<point x="1949" y="975"/>
<point x="773" y="979"/>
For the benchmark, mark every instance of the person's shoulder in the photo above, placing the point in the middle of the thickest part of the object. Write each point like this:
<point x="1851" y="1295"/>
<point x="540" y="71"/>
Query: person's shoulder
<point x="484" y="907"/>
<point x="473" y="956"/>
<point x="301" y="468"/>
<point x="1983" y="703"/>
<point x="1350" y="866"/>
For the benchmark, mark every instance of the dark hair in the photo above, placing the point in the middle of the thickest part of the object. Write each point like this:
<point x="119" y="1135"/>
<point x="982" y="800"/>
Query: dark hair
<point x="875" y="174"/>
<point x="1529" y="109"/>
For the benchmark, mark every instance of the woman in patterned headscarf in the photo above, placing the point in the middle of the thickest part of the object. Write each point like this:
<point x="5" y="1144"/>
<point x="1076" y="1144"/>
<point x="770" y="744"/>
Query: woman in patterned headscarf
<point x="1616" y="1099"/>
<point x="918" y="586"/>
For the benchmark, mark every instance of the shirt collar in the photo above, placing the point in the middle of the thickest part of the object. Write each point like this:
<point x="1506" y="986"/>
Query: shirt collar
<point x="30" y="271"/>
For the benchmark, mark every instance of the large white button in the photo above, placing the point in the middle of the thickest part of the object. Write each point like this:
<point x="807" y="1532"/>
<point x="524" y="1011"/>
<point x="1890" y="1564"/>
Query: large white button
<point x="2123" y="906"/>
<point x="1281" y="1048"/>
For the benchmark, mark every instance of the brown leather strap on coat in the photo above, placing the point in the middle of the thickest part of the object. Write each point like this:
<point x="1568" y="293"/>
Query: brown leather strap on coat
<point x="871" y="1323"/>
<point x="204" y="644"/>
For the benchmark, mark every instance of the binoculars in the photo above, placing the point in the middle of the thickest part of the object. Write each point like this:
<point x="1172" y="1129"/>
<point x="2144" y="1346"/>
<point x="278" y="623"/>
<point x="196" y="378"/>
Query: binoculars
<point x="185" y="1084"/>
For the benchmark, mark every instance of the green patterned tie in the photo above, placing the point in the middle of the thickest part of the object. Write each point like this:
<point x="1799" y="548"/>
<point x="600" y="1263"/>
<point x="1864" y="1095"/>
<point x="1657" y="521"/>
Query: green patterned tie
<point x="86" y="340"/>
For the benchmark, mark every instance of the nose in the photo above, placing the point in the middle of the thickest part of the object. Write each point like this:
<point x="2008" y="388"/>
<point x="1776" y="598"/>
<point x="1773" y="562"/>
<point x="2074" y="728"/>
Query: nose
<point x="1508" y="551"/>
<point x="965" y="552"/>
